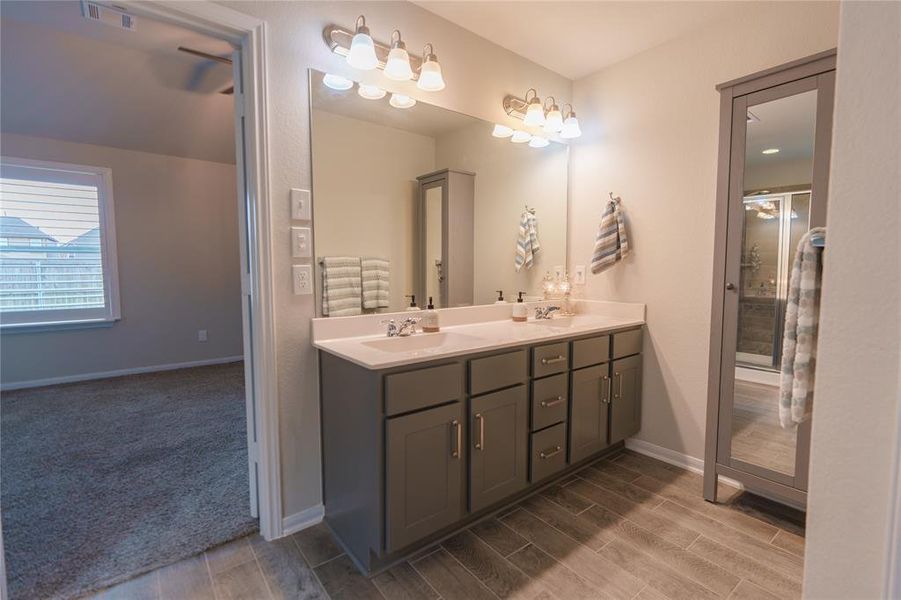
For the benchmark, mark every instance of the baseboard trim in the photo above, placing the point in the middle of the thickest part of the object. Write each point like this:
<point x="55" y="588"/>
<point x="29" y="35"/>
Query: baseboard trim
<point x="678" y="459"/>
<point x="303" y="519"/>
<point x="19" y="385"/>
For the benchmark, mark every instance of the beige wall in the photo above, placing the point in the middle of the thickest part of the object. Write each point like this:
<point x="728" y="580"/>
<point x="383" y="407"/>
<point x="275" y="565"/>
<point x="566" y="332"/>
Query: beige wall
<point x="855" y="469"/>
<point x="478" y="75"/>
<point x="650" y="128"/>
<point x="509" y="176"/>
<point x="365" y="193"/>
<point x="179" y="268"/>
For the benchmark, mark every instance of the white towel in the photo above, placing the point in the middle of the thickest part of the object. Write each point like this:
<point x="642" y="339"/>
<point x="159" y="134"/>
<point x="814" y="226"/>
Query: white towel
<point x="527" y="242"/>
<point x="611" y="244"/>
<point x="799" y="342"/>
<point x="376" y="279"/>
<point x="342" y="289"/>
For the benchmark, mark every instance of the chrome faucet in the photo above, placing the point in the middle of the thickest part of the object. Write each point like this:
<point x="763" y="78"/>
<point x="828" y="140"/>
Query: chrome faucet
<point x="405" y="328"/>
<point x="544" y="312"/>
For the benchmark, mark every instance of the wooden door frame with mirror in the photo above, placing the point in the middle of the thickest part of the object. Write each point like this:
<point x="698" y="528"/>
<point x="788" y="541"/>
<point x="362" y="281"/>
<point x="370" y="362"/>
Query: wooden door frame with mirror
<point x="816" y="72"/>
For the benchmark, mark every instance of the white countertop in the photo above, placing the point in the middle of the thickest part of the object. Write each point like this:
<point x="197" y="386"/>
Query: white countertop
<point x="380" y="352"/>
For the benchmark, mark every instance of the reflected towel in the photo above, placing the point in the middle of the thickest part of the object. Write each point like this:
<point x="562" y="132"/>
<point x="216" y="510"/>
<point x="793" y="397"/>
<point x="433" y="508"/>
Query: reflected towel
<point x="611" y="244"/>
<point x="799" y="342"/>
<point x="342" y="289"/>
<point x="376" y="279"/>
<point x="527" y="244"/>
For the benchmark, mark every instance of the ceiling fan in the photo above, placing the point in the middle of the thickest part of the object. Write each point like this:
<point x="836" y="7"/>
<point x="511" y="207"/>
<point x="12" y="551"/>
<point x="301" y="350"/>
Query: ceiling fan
<point x="205" y="55"/>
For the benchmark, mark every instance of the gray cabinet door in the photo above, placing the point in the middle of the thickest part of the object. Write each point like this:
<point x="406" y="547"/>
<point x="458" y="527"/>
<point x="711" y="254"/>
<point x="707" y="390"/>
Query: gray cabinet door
<point x="425" y="454"/>
<point x="499" y="448"/>
<point x="625" y="411"/>
<point x="590" y="397"/>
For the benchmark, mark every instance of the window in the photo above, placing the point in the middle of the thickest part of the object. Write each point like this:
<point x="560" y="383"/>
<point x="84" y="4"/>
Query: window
<point x="58" y="256"/>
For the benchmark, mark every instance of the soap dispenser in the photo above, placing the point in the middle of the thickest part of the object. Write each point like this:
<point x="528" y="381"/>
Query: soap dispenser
<point x="412" y="303"/>
<point x="429" y="321"/>
<point x="520" y="312"/>
<point x="500" y="297"/>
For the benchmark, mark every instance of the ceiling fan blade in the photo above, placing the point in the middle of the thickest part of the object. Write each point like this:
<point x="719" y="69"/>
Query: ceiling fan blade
<point x="228" y="91"/>
<point x="222" y="59"/>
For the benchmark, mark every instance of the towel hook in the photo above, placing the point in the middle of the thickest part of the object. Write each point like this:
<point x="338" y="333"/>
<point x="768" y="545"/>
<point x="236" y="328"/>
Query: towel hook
<point x="531" y="211"/>
<point x="613" y="198"/>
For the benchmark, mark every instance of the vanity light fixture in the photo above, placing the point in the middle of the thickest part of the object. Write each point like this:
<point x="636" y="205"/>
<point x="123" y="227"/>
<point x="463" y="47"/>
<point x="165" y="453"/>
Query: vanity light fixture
<point x="502" y="131"/>
<point x="770" y="151"/>
<point x="553" y="120"/>
<point x="571" y="127"/>
<point x="401" y="101"/>
<point x="430" y="78"/>
<point x="538" y="142"/>
<point x="371" y="92"/>
<point x="520" y="136"/>
<point x="534" y="111"/>
<point x="546" y="115"/>
<point x="397" y="67"/>
<point x="362" y="48"/>
<point x="336" y="82"/>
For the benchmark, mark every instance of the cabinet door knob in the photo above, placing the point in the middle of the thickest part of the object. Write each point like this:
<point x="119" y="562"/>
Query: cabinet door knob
<point x="730" y="286"/>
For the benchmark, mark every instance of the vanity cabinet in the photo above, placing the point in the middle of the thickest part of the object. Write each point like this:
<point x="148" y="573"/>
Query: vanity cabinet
<point x="589" y="411"/>
<point x="625" y="404"/>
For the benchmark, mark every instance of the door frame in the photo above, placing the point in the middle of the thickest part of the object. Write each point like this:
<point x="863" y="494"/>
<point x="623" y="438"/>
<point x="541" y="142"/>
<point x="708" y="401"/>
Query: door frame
<point x="821" y="64"/>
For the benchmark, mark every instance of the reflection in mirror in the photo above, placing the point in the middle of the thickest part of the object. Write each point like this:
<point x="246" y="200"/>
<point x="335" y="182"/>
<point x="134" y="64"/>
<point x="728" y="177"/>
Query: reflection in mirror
<point x="778" y="170"/>
<point x="434" y="196"/>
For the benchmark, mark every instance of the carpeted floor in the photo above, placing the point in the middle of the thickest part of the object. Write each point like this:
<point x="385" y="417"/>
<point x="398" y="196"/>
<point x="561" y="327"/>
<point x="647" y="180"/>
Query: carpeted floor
<point x="106" y="479"/>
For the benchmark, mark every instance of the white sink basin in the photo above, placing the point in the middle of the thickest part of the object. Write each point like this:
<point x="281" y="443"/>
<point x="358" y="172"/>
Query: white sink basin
<point x="422" y="341"/>
<point x="557" y="322"/>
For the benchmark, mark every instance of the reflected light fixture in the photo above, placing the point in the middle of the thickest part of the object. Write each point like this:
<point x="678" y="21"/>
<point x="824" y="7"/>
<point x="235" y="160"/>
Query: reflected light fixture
<point x="502" y="131"/>
<point x="538" y="142"/>
<point x="336" y="82"/>
<point x="534" y="111"/>
<point x="770" y="151"/>
<point x="362" y="48"/>
<point x="430" y="79"/>
<point x="371" y="92"/>
<point x="520" y="136"/>
<point x="553" y="120"/>
<point x="401" y="101"/>
<point x="397" y="67"/>
<point x="571" y="127"/>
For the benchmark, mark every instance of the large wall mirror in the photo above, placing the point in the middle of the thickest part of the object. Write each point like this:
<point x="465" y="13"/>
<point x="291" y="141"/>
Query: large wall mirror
<point x="425" y="201"/>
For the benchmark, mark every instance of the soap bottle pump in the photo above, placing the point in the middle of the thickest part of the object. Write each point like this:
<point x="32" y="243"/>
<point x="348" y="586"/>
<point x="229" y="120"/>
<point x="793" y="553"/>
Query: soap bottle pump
<point x="520" y="312"/>
<point x="412" y="306"/>
<point x="429" y="321"/>
<point x="500" y="297"/>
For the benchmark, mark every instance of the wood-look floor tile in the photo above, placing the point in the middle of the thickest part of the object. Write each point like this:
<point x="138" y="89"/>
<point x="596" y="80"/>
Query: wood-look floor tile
<point x="790" y="564"/>
<point x="450" y="579"/>
<point x="646" y="498"/>
<point x="750" y="525"/>
<point x="644" y="517"/>
<point x="241" y="582"/>
<point x="317" y="544"/>
<point x="565" y="498"/>
<point x="649" y="593"/>
<point x="595" y="569"/>
<point x="789" y="542"/>
<point x="781" y="516"/>
<point x="670" y="583"/>
<point x="490" y="568"/>
<point x="575" y="526"/>
<point x="740" y="564"/>
<point x="287" y="573"/>
<point x="187" y="580"/>
<point x="748" y="591"/>
<point x="646" y="465"/>
<point x="562" y="582"/>
<point x="402" y="582"/>
<point x="611" y="468"/>
<point x="342" y="581"/>
<point x="143" y="587"/>
<point x="224" y="557"/>
<point x="493" y="532"/>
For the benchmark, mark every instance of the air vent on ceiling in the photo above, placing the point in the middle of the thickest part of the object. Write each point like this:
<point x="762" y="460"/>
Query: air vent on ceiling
<point x="108" y="15"/>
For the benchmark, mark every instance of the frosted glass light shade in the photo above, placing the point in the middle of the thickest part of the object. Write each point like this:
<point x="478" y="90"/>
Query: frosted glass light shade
<point x="502" y="131"/>
<point x="371" y="92"/>
<point x="401" y="101"/>
<point x="362" y="52"/>
<point x="571" y="128"/>
<point x="538" y="142"/>
<point x="336" y="82"/>
<point x="534" y="115"/>
<point x="430" y="79"/>
<point x="398" y="66"/>
<point x="520" y="136"/>
<point x="553" y="122"/>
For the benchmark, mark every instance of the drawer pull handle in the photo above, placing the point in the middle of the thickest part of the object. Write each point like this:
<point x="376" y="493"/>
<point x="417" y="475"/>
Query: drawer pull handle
<point x="608" y="389"/>
<point x="458" y="438"/>
<point x="480" y="444"/>
<point x="549" y="453"/>
<point x="553" y="360"/>
<point x="554" y="402"/>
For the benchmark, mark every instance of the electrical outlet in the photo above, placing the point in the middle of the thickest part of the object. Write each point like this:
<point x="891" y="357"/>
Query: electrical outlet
<point x="300" y="242"/>
<point x="303" y="279"/>
<point x="201" y="335"/>
<point x="300" y="205"/>
<point x="579" y="275"/>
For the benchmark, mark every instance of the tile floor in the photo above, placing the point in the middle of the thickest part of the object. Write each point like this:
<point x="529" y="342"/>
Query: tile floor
<point x="625" y="527"/>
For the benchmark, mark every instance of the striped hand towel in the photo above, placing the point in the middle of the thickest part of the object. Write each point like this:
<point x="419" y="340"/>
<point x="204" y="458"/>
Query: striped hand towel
<point x="376" y="279"/>
<point x="342" y="289"/>
<point x="611" y="244"/>
<point x="799" y="342"/>
<point x="527" y="244"/>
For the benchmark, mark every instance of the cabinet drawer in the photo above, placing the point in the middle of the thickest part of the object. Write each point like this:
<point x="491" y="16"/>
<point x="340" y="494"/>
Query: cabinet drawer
<point x="550" y="359"/>
<point x="548" y="452"/>
<point x="413" y="390"/>
<point x="592" y="351"/>
<point x="626" y="343"/>
<point x="495" y="372"/>
<point x="549" y="401"/>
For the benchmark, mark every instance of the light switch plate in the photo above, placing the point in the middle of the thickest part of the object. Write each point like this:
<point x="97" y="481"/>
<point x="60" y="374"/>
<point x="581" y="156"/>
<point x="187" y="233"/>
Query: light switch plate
<point x="303" y="279"/>
<point x="300" y="205"/>
<point x="301" y="242"/>
<point x="559" y="271"/>
<point x="579" y="275"/>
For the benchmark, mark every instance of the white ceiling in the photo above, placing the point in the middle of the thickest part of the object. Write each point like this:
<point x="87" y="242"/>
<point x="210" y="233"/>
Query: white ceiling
<point x="576" y="39"/>
<point x="68" y="78"/>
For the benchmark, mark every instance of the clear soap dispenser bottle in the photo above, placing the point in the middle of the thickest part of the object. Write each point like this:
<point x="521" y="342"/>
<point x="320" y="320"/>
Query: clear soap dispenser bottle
<point x="429" y="321"/>
<point x="412" y="303"/>
<point x="500" y="297"/>
<point x="520" y="312"/>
